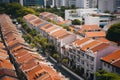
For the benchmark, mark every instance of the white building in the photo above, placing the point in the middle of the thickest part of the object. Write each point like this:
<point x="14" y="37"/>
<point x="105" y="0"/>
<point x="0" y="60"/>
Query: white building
<point x="111" y="62"/>
<point x="79" y="13"/>
<point x="89" y="16"/>
<point x="86" y="54"/>
<point x="100" y="19"/>
<point x="91" y="20"/>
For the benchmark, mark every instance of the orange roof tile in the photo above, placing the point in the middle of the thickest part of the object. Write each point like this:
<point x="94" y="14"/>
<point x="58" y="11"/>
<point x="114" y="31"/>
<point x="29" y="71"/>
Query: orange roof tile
<point x="28" y="65"/>
<point x="99" y="47"/>
<point x="95" y="34"/>
<point x="104" y="40"/>
<point x="1" y="45"/>
<point x="21" y="54"/>
<point x="19" y="46"/>
<point x="30" y="17"/>
<point x="7" y="72"/>
<point x="31" y="73"/>
<point x="46" y="26"/>
<point x="14" y="42"/>
<point x="89" y="45"/>
<point x="78" y="42"/>
<point x="6" y="64"/>
<point x="44" y="13"/>
<point x="51" y="29"/>
<point x="37" y="22"/>
<point x="63" y="36"/>
<point x="54" y="75"/>
<point x="117" y="63"/>
<point x="26" y="58"/>
<point x="59" y="33"/>
<point x="88" y="27"/>
<point x="112" y="57"/>
<point x="3" y="55"/>
<point x="8" y="78"/>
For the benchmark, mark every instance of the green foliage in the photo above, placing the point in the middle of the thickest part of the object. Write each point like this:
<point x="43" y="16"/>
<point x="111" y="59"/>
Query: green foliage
<point x="103" y="75"/>
<point x="27" y="38"/>
<point x="15" y="9"/>
<point x="65" y="60"/>
<point x="76" y="22"/>
<point x="56" y="56"/>
<point x="24" y="11"/>
<point x="73" y="7"/>
<point x="51" y="48"/>
<point x="113" y="33"/>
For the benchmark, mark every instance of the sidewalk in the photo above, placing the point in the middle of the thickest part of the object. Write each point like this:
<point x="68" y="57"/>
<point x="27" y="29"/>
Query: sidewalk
<point x="68" y="70"/>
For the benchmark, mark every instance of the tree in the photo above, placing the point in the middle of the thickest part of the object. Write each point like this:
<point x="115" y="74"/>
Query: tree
<point x="56" y="56"/>
<point x="113" y="33"/>
<point x="13" y="8"/>
<point x="103" y="75"/>
<point x="27" y="38"/>
<point x="24" y="11"/>
<point x="65" y="60"/>
<point x="76" y="22"/>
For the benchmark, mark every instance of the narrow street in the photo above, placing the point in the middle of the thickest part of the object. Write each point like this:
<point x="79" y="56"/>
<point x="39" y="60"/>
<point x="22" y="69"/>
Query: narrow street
<point x="65" y="71"/>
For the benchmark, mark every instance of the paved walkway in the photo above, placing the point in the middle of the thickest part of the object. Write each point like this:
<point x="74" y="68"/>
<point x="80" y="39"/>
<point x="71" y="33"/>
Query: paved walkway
<point x="64" y="70"/>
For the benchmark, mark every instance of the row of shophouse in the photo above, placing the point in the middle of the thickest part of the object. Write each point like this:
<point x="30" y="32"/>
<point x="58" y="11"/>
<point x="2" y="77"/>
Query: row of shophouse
<point x="33" y="65"/>
<point x="87" y="53"/>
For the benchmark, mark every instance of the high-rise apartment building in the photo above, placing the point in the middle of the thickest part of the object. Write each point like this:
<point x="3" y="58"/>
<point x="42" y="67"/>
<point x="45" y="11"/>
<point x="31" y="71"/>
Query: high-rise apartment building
<point x="77" y="3"/>
<point x="33" y="2"/>
<point x="109" y="5"/>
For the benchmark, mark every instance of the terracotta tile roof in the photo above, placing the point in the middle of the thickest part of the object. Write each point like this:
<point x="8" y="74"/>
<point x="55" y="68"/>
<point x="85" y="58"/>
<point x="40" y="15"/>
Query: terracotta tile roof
<point x="104" y="40"/>
<point x="3" y="55"/>
<point x="46" y="76"/>
<point x="46" y="26"/>
<point x="25" y="58"/>
<point x="59" y="33"/>
<point x="32" y="73"/>
<point x="63" y="36"/>
<point x="29" y="65"/>
<point x="43" y="71"/>
<point x="99" y="47"/>
<point x="51" y="29"/>
<point x="10" y="31"/>
<point x="21" y="54"/>
<point x="52" y="73"/>
<point x="30" y="17"/>
<point x="7" y="72"/>
<point x="2" y="50"/>
<point x="37" y="22"/>
<point x="89" y="45"/>
<point x="88" y="28"/>
<point x="8" y="78"/>
<point x="1" y="45"/>
<point x="19" y="46"/>
<point x="78" y="42"/>
<point x="112" y="57"/>
<point x="6" y="64"/>
<point x="13" y="36"/>
<point x="23" y="50"/>
<point x="117" y="64"/>
<point x="14" y="42"/>
<point x="44" y="13"/>
<point x="95" y="34"/>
